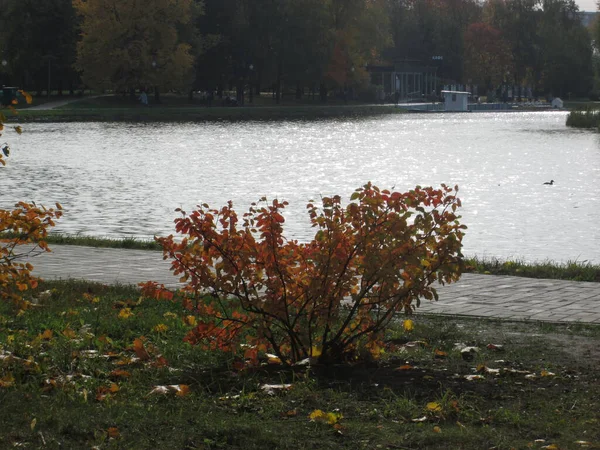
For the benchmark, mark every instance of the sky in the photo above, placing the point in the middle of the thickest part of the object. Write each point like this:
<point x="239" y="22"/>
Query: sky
<point x="586" y="5"/>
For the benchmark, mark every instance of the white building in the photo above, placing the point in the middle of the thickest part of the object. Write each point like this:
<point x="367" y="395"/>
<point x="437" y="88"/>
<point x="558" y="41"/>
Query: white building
<point x="456" y="100"/>
<point x="557" y="103"/>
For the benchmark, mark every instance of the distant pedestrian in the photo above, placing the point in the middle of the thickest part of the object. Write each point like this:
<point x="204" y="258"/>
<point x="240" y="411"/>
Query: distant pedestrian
<point x="144" y="98"/>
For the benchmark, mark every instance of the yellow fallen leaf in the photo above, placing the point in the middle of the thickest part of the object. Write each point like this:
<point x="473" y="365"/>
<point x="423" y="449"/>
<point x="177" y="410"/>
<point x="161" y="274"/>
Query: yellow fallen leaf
<point x="437" y="429"/>
<point x="434" y="407"/>
<point x="32" y="424"/>
<point x="47" y="335"/>
<point x="125" y="313"/>
<point x="546" y="373"/>
<point x="190" y="320"/>
<point x="408" y="325"/>
<point x="113" y="432"/>
<point x="316" y="414"/>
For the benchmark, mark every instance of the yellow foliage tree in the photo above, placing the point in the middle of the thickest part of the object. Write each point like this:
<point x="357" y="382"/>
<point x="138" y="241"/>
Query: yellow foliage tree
<point x="129" y="44"/>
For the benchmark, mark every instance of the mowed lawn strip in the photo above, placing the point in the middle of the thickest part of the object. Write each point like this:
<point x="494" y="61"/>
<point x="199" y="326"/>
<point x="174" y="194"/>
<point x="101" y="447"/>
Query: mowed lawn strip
<point x="90" y="365"/>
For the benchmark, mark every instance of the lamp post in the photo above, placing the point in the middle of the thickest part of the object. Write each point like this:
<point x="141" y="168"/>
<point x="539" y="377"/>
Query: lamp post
<point x="4" y="64"/>
<point x="49" y="58"/>
<point x="251" y="67"/>
<point x="156" y="93"/>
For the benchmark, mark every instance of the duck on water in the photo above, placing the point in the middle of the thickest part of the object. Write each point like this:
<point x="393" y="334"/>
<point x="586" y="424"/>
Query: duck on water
<point x="551" y="182"/>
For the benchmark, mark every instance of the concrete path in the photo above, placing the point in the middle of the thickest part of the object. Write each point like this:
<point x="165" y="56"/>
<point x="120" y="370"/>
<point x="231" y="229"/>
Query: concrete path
<point x="489" y="296"/>
<point x="59" y="103"/>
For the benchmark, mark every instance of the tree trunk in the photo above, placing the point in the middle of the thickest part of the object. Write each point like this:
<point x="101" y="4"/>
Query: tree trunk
<point x="156" y="94"/>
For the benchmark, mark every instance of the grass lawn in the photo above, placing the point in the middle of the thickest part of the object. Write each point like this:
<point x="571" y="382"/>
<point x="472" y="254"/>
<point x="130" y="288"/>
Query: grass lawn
<point x="91" y="366"/>
<point x="180" y="108"/>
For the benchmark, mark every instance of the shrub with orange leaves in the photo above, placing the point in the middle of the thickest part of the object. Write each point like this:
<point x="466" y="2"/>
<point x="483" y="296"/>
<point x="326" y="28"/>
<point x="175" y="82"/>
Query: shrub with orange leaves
<point x="324" y="299"/>
<point x="27" y="225"/>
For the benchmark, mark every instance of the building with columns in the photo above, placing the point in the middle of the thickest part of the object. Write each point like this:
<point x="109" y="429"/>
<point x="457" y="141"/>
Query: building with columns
<point x="405" y="79"/>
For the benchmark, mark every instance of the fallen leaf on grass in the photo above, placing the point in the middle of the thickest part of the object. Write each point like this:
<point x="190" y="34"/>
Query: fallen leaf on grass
<point x="468" y="353"/>
<point x="273" y="359"/>
<point x="546" y="373"/>
<point x="125" y="313"/>
<point x="119" y="373"/>
<point x="7" y="380"/>
<point x="551" y="447"/>
<point x="180" y="390"/>
<point x="271" y="389"/>
<point x="408" y="325"/>
<point x="103" y="392"/>
<point x="482" y="368"/>
<point x="420" y="419"/>
<point x="140" y="350"/>
<point x="113" y="432"/>
<point x="440" y="354"/>
<point x="474" y="377"/>
<point x="434" y="407"/>
<point x="495" y="347"/>
<point x="46" y="335"/>
<point x="330" y="418"/>
<point x="437" y="429"/>
<point x="404" y="367"/>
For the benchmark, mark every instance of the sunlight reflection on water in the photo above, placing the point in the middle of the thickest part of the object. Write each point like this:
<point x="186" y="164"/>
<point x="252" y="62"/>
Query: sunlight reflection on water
<point x="121" y="180"/>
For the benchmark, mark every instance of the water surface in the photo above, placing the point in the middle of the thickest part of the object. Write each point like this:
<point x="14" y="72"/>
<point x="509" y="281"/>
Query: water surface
<point x="119" y="179"/>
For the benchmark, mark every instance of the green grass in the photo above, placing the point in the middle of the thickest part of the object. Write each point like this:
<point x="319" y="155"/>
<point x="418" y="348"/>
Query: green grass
<point x="571" y="270"/>
<point x="98" y="242"/>
<point x="56" y="392"/>
<point x="587" y="116"/>
<point x="180" y="109"/>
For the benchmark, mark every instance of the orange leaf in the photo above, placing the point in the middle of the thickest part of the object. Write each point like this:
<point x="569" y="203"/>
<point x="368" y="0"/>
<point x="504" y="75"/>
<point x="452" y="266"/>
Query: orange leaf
<point x="47" y="335"/>
<point x="140" y="350"/>
<point x="440" y="354"/>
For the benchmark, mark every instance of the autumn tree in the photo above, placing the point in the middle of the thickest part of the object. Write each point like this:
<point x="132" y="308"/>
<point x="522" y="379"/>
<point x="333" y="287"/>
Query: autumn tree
<point x="128" y="44"/>
<point x="487" y="56"/>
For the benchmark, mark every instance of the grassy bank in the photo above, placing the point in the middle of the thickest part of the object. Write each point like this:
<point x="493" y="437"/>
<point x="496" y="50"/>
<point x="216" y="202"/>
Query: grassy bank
<point x="584" y="117"/>
<point x="180" y="109"/>
<point x="90" y="365"/>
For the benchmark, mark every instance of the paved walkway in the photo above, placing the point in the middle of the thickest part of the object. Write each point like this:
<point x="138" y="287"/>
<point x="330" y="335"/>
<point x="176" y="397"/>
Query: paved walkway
<point x="63" y="102"/>
<point x="490" y="296"/>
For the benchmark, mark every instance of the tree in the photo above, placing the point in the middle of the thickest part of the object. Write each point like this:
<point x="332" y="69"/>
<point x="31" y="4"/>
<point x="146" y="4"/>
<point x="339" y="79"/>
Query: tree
<point x="487" y="55"/>
<point x="33" y="59"/>
<point x="127" y="44"/>
<point x="327" y="298"/>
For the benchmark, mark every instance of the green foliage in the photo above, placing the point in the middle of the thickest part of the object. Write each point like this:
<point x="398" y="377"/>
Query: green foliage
<point x="329" y="298"/>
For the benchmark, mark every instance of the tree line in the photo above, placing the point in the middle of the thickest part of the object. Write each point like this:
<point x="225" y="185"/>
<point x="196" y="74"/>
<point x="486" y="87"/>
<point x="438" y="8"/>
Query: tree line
<point x="292" y="46"/>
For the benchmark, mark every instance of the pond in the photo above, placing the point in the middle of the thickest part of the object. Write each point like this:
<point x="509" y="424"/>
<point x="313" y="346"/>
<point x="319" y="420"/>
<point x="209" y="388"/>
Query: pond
<point x="125" y="180"/>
